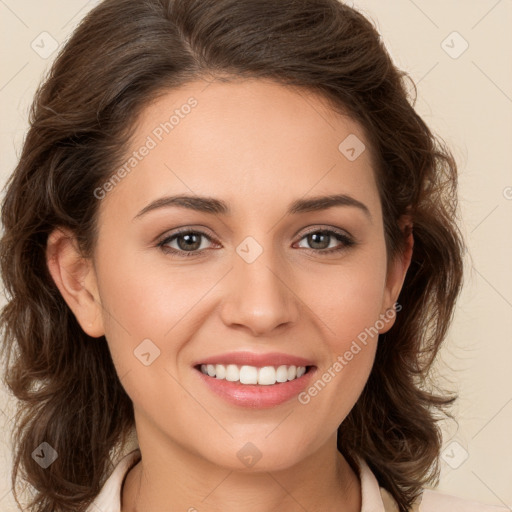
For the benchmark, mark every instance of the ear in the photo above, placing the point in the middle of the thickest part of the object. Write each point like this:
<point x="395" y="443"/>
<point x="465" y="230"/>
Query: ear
<point x="75" y="278"/>
<point x="397" y="270"/>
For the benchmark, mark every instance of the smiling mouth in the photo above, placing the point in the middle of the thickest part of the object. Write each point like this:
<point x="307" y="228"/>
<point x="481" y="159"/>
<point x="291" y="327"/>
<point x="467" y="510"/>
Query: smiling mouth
<point x="253" y="375"/>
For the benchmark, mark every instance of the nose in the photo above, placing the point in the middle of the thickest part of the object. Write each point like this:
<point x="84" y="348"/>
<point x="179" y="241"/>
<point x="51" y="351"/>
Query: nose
<point x="259" y="296"/>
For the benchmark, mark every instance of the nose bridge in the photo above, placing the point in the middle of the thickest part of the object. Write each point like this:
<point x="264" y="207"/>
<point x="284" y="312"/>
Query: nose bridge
<point x="260" y="297"/>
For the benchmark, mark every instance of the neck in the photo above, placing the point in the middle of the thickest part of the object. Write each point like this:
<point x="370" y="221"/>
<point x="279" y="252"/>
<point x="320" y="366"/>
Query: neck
<point x="325" y="481"/>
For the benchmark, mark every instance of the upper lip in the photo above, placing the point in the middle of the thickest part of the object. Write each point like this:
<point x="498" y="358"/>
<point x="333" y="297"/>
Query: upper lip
<point x="255" y="359"/>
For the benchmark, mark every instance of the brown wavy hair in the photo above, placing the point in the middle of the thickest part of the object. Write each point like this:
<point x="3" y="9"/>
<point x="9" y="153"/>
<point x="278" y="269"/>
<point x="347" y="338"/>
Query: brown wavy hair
<point x="123" y="55"/>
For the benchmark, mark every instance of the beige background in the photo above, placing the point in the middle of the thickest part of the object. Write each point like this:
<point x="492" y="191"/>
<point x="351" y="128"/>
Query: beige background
<point x="467" y="99"/>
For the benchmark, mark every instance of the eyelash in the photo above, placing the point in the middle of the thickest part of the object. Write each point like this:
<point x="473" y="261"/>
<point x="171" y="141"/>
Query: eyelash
<point x="347" y="242"/>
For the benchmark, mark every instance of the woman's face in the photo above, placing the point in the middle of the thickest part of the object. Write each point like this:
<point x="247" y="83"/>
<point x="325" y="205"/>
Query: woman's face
<point x="254" y="277"/>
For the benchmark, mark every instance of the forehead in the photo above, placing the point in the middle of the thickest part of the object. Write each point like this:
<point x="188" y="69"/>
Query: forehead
<point x="250" y="140"/>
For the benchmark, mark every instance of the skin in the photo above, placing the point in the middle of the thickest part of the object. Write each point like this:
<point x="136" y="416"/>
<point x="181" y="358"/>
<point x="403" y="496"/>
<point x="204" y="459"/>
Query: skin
<point x="258" y="146"/>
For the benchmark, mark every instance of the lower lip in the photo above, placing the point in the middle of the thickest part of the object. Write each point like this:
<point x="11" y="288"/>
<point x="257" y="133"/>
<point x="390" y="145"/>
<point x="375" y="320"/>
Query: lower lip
<point x="254" y="395"/>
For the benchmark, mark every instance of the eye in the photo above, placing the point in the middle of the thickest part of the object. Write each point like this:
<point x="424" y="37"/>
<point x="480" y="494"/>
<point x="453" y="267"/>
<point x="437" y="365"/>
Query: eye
<point x="320" y="241"/>
<point x="188" y="243"/>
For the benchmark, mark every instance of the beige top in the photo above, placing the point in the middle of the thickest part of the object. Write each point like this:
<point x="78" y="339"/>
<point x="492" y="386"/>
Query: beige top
<point x="374" y="498"/>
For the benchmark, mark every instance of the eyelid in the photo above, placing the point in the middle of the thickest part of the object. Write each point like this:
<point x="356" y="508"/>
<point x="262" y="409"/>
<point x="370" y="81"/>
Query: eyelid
<point x="324" y="227"/>
<point x="185" y="229"/>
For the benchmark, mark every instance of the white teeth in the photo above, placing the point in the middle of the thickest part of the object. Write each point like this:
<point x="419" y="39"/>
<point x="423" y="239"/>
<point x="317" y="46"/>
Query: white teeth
<point x="232" y="373"/>
<point x="265" y="376"/>
<point x="282" y="374"/>
<point x="248" y="375"/>
<point x="220" y="371"/>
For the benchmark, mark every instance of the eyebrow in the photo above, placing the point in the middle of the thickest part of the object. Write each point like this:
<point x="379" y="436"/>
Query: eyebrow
<point x="217" y="206"/>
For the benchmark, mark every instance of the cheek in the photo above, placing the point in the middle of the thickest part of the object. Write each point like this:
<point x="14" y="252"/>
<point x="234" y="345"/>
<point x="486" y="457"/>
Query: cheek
<point x="148" y="299"/>
<point x="147" y="311"/>
<point x="347" y="304"/>
<point x="348" y="298"/>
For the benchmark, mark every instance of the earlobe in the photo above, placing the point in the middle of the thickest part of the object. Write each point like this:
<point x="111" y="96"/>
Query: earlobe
<point x="75" y="278"/>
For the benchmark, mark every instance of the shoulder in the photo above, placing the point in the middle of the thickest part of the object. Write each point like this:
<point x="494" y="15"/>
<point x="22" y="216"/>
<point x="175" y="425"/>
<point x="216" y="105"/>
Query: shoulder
<point x="109" y="498"/>
<point x="377" y="498"/>
<point x="436" y="501"/>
